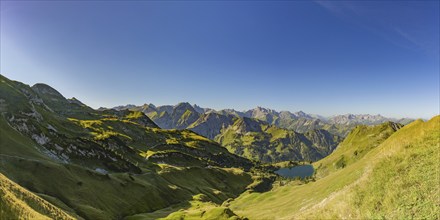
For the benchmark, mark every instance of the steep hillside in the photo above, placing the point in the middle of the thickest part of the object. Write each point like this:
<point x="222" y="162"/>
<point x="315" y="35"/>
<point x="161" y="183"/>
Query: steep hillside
<point x="393" y="176"/>
<point x="260" y="141"/>
<point x="107" y="164"/>
<point x="361" y="140"/>
<point x="18" y="203"/>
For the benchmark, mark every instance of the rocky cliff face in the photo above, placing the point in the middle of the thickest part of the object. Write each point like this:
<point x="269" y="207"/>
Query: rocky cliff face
<point x="211" y="124"/>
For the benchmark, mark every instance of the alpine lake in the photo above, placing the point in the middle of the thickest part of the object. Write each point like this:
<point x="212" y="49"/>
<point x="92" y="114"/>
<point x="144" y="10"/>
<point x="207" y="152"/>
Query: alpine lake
<point x="301" y="171"/>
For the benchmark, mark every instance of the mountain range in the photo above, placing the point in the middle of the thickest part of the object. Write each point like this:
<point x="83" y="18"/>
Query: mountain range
<point x="261" y="134"/>
<point x="184" y="115"/>
<point x="60" y="159"/>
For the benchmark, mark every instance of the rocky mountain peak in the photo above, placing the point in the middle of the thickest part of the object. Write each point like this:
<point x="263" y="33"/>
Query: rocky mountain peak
<point x="287" y="115"/>
<point x="147" y="108"/>
<point x="358" y="119"/>
<point x="74" y="100"/>
<point x="150" y="105"/>
<point x="199" y="109"/>
<point x="124" y="107"/>
<point x="302" y="114"/>
<point x="182" y="107"/>
<point x="263" y="110"/>
<point x="165" y="108"/>
<point x="45" y="90"/>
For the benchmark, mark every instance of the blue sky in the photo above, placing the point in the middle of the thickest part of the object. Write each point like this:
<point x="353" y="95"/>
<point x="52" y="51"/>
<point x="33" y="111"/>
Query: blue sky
<point x="324" y="57"/>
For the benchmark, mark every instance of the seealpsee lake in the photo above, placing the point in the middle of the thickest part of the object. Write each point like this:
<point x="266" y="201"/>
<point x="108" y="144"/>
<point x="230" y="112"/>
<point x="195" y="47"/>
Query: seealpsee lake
<point x="301" y="171"/>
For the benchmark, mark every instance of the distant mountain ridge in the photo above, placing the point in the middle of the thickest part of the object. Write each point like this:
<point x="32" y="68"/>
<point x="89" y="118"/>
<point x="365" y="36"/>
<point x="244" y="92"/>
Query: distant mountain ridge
<point x="174" y="117"/>
<point x="261" y="134"/>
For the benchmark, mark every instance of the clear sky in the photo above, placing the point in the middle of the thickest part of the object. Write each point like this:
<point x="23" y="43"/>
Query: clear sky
<point x="324" y="57"/>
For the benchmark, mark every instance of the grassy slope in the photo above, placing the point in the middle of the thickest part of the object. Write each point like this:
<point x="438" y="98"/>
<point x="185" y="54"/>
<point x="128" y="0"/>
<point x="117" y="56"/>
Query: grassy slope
<point x="99" y="196"/>
<point x="397" y="179"/>
<point x="81" y="190"/>
<point x="203" y="210"/>
<point x="200" y="207"/>
<point x="360" y="141"/>
<point x="18" y="203"/>
<point x="273" y="144"/>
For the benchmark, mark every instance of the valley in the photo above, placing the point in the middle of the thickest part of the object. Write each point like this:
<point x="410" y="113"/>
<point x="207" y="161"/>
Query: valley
<point x="60" y="159"/>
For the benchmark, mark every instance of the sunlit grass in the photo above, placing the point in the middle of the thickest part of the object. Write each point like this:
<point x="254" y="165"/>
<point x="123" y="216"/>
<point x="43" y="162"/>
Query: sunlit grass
<point x="395" y="179"/>
<point x="18" y="203"/>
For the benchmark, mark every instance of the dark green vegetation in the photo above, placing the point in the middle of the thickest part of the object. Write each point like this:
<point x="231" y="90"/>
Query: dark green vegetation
<point x="107" y="164"/>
